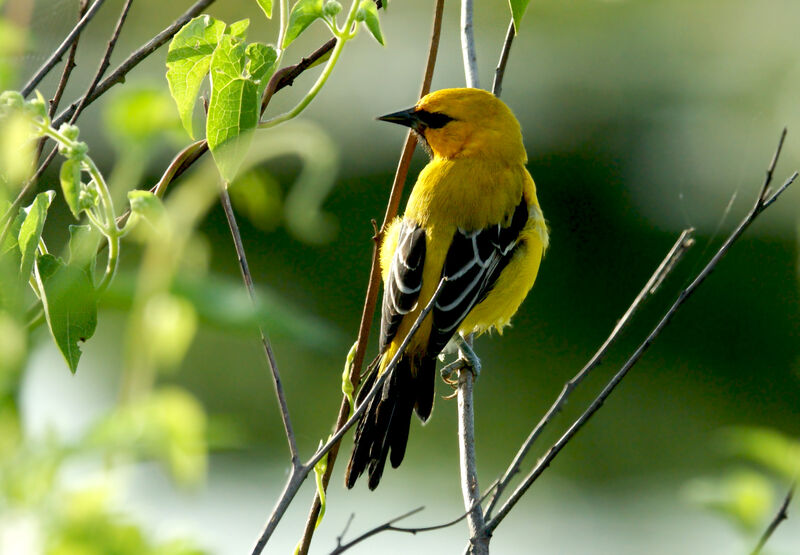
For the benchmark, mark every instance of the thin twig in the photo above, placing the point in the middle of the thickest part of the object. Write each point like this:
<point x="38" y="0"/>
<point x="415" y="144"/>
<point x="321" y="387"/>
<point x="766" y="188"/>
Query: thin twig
<point x="59" y="52"/>
<point x="468" y="45"/>
<point x="371" y="296"/>
<point x="780" y="516"/>
<point x="270" y="356"/>
<point x="388" y="526"/>
<point x="299" y="474"/>
<point x="68" y="67"/>
<point x="500" y="71"/>
<point x="763" y="200"/>
<point x="104" y="62"/>
<point x="679" y="248"/>
<point x="118" y="75"/>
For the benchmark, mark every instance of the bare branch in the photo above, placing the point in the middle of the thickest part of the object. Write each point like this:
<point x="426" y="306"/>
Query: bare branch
<point x="500" y="72"/>
<point x="270" y="356"/>
<point x="118" y="75"/>
<point x="468" y="45"/>
<point x="779" y="517"/>
<point x="683" y="243"/>
<point x="65" y="74"/>
<point x="59" y="52"/>
<point x="371" y="296"/>
<point x="388" y="526"/>
<point x="548" y="457"/>
<point x="105" y="60"/>
<point x="299" y="474"/>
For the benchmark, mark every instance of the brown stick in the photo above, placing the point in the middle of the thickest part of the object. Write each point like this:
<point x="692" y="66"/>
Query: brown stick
<point x="371" y="297"/>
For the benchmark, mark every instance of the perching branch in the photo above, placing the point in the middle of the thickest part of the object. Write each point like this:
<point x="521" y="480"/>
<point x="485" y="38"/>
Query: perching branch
<point x="299" y="474"/>
<point x="684" y="242"/>
<point x="765" y="198"/>
<point x="470" y="490"/>
<point x="371" y="296"/>
<point x="59" y="52"/>
<point x="500" y="71"/>
<point x="779" y="517"/>
<point x="468" y="45"/>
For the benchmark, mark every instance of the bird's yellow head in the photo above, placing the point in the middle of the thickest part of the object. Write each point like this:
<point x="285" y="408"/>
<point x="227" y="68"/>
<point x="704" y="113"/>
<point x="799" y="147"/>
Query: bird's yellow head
<point x="464" y="123"/>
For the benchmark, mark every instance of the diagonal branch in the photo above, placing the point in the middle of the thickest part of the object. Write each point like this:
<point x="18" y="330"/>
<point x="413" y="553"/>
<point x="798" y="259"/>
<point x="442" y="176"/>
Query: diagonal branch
<point x="763" y="200"/>
<point x="118" y="75"/>
<point x="780" y="516"/>
<point x="684" y="242"/>
<point x="300" y="473"/>
<point x="59" y="52"/>
<point x="371" y="296"/>
<point x="500" y="71"/>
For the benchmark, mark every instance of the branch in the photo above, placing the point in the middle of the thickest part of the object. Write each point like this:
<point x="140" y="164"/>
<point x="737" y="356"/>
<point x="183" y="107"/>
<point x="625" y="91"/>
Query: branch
<point x="299" y="474"/>
<point x="65" y="74"/>
<point x="468" y="45"/>
<point x="684" y="242"/>
<point x="500" y="72"/>
<point x="270" y="356"/>
<point x="59" y="52"/>
<point x="371" y="296"/>
<point x="388" y="526"/>
<point x="118" y="75"/>
<point x="779" y="517"/>
<point x="764" y="199"/>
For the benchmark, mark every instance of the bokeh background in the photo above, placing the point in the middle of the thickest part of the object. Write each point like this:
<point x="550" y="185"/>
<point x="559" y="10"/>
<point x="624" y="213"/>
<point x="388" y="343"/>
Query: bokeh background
<point x="640" y="119"/>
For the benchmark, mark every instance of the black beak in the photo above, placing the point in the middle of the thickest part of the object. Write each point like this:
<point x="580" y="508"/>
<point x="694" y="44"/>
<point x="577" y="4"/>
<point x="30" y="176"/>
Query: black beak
<point x="408" y="118"/>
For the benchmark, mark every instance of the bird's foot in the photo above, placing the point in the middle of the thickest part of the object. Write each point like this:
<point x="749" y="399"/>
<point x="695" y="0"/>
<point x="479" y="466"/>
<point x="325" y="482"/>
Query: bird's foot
<point x="467" y="360"/>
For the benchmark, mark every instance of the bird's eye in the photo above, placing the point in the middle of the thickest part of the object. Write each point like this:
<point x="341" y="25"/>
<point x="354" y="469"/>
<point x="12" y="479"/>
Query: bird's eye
<point x="433" y="120"/>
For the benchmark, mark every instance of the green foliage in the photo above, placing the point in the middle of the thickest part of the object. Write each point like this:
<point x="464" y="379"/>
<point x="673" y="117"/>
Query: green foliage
<point x="233" y="110"/>
<point x="70" y="305"/>
<point x="70" y="176"/>
<point x="303" y="14"/>
<point x="31" y="231"/>
<point x="518" y="8"/>
<point x="188" y="61"/>
<point x="266" y="7"/>
<point x="370" y="19"/>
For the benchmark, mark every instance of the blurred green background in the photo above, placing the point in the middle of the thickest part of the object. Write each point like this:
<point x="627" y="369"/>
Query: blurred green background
<point x="640" y="119"/>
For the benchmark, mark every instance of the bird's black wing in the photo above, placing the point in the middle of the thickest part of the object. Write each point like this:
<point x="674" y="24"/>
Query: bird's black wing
<point x="404" y="281"/>
<point x="473" y="264"/>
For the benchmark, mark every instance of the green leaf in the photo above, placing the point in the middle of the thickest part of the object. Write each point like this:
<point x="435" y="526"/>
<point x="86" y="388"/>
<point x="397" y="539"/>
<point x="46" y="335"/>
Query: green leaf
<point x="233" y="110"/>
<point x="147" y="206"/>
<point x="188" y="62"/>
<point x="31" y="231"/>
<point x="83" y="240"/>
<point x="238" y="29"/>
<point x="70" y="305"/>
<point x="266" y="6"/>
<point x="71" y="184"/>
<point x="11" y="287"/>
<point x="261" y="60"/>
<point x="303" y="14"/>
<point x="518" y="8"/>
<point x="371" y="20"/>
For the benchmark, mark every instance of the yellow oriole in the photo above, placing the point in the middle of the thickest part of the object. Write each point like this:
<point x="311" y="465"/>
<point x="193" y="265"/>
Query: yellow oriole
<point x="473" y="217"/>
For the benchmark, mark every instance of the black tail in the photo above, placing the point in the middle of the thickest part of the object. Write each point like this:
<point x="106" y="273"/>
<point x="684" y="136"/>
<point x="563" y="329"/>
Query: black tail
<point x="385" y="424"/>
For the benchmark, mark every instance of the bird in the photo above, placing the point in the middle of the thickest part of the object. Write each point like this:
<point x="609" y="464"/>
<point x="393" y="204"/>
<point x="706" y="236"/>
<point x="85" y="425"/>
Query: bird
<point x="472" y="217"/>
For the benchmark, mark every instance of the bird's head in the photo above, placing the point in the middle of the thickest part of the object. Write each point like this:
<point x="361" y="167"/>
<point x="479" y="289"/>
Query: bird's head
<point x="464" y="123"/>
